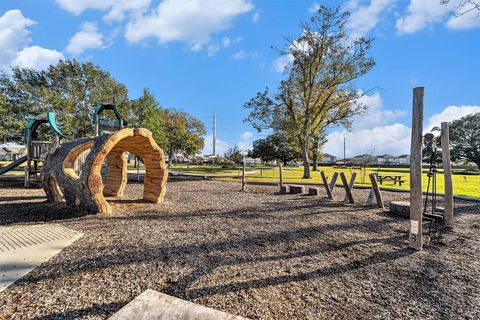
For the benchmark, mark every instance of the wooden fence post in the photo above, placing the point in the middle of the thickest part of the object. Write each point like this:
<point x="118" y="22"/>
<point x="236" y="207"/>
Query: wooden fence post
<point x="376" y="190"/>
<point x="415" y="232"/>
<point x="243" y="174"/>
<point x="325" y="183"/>
<point x="348" y="192"/>
<point x="334" y="181"/>
<point x="350" y="185"/>
<point x="447" y="176"/>
<point x="280" y="176"/>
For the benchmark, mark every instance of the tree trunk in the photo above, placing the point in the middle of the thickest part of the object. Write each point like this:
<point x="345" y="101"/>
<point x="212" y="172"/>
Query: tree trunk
<point x="306" y="161"/>
<point x="315" y="153"/>
<point x="315" y="161"/>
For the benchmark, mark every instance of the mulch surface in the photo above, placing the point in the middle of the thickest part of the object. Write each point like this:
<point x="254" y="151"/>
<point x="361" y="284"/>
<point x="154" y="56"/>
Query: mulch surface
<point x="255" y="254"/>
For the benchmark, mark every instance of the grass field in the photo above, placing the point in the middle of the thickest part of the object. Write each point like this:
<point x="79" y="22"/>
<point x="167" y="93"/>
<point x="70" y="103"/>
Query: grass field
<point x="465" y="185"/>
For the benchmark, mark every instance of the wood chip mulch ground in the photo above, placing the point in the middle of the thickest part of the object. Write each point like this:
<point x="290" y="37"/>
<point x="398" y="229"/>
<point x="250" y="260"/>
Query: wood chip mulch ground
<point x="255" y="254"/>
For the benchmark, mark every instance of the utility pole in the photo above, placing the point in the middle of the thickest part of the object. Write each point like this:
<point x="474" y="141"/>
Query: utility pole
<point x="214" y="133"/>
<point x="344" y="152"/>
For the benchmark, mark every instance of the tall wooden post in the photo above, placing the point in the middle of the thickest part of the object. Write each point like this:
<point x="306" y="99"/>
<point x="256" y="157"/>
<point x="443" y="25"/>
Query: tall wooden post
<point x="376" y="191"/>
<point x="243" y="174"/>
<point x="447" y="176"/>
<point x="415" y="232"/>
<point x="280" y="176"/>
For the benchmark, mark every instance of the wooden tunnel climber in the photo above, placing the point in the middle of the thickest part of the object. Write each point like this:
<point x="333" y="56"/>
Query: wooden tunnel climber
<point x="86" y="189"/>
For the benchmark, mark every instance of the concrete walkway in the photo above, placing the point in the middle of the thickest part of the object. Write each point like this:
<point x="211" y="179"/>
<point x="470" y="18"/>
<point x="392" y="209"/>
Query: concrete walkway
<point x="22" y="248"/>
<point x="153" y="305"/>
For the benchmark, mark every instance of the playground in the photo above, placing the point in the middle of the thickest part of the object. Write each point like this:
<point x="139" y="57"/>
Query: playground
<point x="256" y="254"/>
<point x="272" y="251"/>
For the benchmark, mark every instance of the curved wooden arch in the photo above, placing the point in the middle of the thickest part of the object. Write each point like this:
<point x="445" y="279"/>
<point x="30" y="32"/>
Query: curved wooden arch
<point x="87" y="190"/>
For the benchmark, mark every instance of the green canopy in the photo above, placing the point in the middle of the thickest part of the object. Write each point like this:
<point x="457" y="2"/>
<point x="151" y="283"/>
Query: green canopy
<point x="38" y="120"/>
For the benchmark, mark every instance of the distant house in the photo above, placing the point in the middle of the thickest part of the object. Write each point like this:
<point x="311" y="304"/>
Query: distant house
<point x="363" y="158"/>
<point x="3" y="154"/>
<point x="14" y="153"/>
<point x="252" y="161"/>
<point x="386" y="159"/>
<point x="328" y="158"/>
<point x="403" y="159"/>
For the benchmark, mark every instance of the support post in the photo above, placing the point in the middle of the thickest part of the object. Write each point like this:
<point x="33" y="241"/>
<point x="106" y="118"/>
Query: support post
<point x="334" y="181"/>
<point x="137" y="159"/>
<point x="376" y="190"/>
<point x="280" y="176"/>
<point x="29" y="158"/>
<point x="243" y="174"/>
<point x="447" y="176"/>
<point x="415" y="232"/>
<point x="97" y="126"/>
<point x="350" y="185"/>
<point x="325" y="183"/>
<point x="348" y="191"/>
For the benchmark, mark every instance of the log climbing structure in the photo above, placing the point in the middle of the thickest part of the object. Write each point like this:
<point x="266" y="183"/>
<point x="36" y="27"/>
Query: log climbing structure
<point x="85" y="188"/>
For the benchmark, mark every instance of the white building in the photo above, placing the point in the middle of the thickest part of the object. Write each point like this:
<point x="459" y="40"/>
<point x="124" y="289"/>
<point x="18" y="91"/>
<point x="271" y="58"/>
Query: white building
<point x="328" y="158"/>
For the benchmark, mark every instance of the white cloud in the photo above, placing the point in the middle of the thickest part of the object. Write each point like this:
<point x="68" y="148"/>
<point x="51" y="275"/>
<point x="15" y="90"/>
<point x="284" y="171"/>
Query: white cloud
<point x="87" y="38"/>
<point x="117" y="9"/>
<point x="390" y="138"/>
<point x="314" y="8"/>
<point x="256" y="16"/>
<point x="246" y="140"/>
<point x="224" y="43"/>
<point x="374" y="131"/>
<point x="239" y="55"/>
<point x="393" y="139"/>
<point x="189" y="21"/>
<point x="424" y="13"/>
<point x="36" y="57"/>
<point x="376" y="114"/>
<point x="469" y="20"/>
<point x="449" y="114"/>
<point x="220" y="146"/>
<point x="280" y="63"/>
<point x="364" y="18"/>
<point x="15" y="44"/>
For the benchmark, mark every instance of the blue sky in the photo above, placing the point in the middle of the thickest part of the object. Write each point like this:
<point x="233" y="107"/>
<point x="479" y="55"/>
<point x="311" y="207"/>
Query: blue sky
<point x="206" y="56"/>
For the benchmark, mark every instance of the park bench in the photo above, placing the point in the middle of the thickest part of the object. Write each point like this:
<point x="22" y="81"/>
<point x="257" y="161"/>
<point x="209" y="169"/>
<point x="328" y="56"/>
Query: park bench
<point x="395" y="179"/>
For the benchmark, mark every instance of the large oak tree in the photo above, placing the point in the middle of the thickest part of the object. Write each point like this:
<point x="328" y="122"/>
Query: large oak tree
<point x="319" y="90"/>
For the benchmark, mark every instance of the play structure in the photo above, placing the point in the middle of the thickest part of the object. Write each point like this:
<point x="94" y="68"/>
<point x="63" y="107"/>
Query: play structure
<point x="83" y="171"/>
<point x="104" y="125"/>
<point x="36" y="150"/>
<point x="86" y="189"/>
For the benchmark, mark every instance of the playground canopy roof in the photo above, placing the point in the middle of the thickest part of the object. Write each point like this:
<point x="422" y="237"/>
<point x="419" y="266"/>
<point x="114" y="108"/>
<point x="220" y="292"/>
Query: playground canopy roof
<point x="108" y="106"/>
<point x="48" y="118"/>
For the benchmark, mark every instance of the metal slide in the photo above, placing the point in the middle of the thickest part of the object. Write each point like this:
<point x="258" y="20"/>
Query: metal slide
<point x="12" y="165"/>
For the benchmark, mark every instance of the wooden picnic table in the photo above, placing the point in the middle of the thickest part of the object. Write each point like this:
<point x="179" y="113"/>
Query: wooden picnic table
<point x="395" y="179"/>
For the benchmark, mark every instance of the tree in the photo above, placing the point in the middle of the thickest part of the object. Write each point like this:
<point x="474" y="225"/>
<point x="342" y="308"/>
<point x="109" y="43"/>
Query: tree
<point x="182" y="132"/>
<point x="234" y="154"/>
<point x="465" y="138"/>
<point x="318" y="140"/>
<point x="69" y="88"/>
<point x="319" y="90"/>
<point x="141" y="109"/>
<point x="276" y="146"/>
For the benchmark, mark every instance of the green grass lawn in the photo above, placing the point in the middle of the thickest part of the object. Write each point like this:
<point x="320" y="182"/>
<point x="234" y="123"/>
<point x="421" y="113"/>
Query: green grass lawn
<point x="466" y="185"/>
